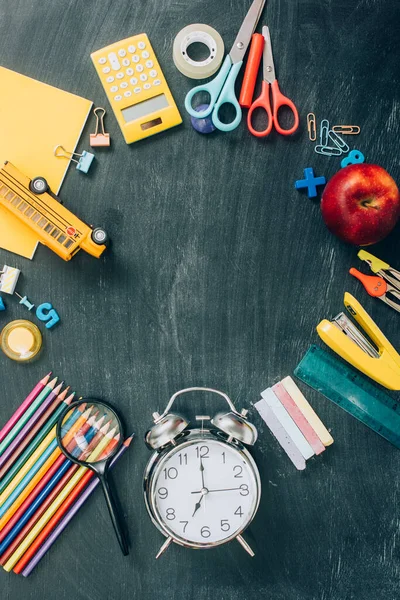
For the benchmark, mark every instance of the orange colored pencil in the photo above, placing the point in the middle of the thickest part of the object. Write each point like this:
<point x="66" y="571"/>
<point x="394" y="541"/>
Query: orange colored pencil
<point x="53" y="494"/>
<point x="79" y="423"/>
<point x="62" y="510"/>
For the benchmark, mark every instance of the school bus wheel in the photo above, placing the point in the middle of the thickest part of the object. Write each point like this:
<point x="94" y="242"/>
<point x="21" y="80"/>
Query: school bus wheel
<point x="39" y="185"/>
<point x="99" y="236"/>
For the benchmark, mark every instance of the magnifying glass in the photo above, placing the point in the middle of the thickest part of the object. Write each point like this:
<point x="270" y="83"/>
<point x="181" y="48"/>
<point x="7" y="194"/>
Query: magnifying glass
<point x="90" y="433"/>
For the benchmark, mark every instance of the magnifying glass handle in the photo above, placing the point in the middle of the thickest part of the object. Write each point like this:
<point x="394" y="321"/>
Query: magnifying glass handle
<point x="114" y="514"/>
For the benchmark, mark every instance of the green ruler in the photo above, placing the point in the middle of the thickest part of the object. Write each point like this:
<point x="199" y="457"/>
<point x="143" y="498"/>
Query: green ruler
<point x="351" y="391"/>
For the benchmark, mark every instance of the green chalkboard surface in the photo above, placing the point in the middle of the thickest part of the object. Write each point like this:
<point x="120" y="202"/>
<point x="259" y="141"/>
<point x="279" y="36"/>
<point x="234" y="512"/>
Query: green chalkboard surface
<point x="218" y="274"/>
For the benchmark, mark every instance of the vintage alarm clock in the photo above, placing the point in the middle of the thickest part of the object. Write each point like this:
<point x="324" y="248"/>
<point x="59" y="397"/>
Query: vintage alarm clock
<point x="202" y="487"/>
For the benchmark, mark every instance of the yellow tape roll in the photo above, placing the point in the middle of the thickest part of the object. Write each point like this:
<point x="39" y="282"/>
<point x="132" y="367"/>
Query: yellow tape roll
<point x="21" y="340"/>
<point x="203" y="34"/>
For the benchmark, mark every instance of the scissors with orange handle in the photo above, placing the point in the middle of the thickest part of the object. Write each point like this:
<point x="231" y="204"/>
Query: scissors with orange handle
<point x="270" y="83"/>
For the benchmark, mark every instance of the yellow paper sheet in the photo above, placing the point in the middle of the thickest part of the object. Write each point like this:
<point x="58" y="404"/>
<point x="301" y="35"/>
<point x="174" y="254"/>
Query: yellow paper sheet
<point x="34" y="118"/>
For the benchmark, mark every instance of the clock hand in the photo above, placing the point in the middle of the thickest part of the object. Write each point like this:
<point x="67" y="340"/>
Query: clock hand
<point x="202" y="473"/>
<point x="197" y="505"/>
<point x="223" y="490"/>
<point x="202" y="482"/>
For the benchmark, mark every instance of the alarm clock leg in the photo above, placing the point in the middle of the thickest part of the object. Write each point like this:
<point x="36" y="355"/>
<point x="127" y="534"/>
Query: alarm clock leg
<point x="164" y="547"/>
<point x="245" y="545"/>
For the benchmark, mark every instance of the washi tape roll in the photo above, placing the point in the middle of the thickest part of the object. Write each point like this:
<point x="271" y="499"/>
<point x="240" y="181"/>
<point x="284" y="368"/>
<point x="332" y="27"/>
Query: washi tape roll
<point x="204" y="34"/>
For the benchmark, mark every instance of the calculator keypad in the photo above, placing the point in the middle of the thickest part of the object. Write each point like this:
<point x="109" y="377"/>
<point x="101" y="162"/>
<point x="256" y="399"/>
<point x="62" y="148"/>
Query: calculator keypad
<point x="128" y="71"/>
<point x="140" y="71"/>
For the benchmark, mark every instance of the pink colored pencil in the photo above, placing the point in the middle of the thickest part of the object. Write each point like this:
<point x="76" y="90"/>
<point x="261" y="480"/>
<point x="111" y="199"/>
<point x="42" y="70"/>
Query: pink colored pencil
<point x="25" y="431"/>
<point x="39" y="387"/>
<point x="298" y="417"/>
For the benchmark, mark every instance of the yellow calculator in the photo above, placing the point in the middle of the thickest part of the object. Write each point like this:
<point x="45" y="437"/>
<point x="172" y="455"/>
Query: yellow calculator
<point x="136" y="88"/>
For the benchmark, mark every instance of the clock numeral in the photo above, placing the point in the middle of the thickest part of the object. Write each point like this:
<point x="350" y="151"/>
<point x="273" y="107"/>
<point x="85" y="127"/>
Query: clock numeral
<point x="223" y="457"/>
<point x="238" y="511"/>
<point x="163" y="493"/>
<point x="244" y="489"/>
<point x="202" y="451"/>
<point x="205" y="532"/>
<point x="182" y="459"/>
<point x="185" y="525"/>
<point x="170" y="514"/>
<point x="237" y="469"/>
<point x="225" y="525"/>
<point x="171" y="473"/>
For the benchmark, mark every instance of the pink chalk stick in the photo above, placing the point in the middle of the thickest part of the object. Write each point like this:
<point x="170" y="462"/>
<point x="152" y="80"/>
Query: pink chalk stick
<point x="299" y="418"/>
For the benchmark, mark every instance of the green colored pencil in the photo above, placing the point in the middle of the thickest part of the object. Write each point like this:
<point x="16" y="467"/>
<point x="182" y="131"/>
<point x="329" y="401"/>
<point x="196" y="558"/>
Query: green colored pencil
<point x="35" y="443"/>
<point x="27" y="415"/>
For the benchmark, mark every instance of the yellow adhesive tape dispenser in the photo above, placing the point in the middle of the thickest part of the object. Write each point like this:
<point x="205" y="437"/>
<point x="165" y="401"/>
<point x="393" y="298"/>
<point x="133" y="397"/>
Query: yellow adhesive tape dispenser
<point x="375" y="357"/>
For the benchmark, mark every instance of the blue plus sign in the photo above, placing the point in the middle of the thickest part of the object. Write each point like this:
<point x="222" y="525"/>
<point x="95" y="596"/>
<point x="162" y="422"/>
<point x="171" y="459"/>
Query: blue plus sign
<point x="310" y="182"/>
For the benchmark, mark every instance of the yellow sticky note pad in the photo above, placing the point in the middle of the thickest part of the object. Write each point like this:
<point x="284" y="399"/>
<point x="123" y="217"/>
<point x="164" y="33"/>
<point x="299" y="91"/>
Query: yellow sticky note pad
<point x="34" y="118"/>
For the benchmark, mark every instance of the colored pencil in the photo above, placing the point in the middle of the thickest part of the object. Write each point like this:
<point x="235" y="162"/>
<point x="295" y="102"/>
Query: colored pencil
<point x="55" y="526"/>
<point x="44" y="500"/>
<point x="65" y="505"/>
<point x="24" y="434"/>
<point x="24" y="406"/>
<point x="36" y="442"/>
<point x="37" y="469"/>
<point x="298" y="417"/>
<point x="27" y="415"/>
<point x="35" y="492"/>
<point x="32" y="535"/>
<point x="48" y="440"/>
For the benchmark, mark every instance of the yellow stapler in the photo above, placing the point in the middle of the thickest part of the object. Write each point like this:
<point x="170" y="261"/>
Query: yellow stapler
<point x="376" y="358"/>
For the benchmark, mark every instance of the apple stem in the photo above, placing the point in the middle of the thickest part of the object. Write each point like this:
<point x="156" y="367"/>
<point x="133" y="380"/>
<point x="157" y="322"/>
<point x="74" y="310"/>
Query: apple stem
<point x="368" y="204"/>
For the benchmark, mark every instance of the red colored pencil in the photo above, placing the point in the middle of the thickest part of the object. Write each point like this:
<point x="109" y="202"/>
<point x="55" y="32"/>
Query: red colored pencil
<point x="39" y="387"/>
<point x="36" y="491"/>
<point x="53" y="494"/>
<point x="61" y="511"/>
<point x="71" y="512"/>
<point x="29" y="436"/>
<point x="25" y="530"/>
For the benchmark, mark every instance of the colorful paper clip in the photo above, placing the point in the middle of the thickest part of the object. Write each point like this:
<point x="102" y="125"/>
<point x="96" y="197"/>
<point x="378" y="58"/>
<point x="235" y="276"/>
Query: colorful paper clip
<point x="346" y="129"/>
<point x="324" y="132"/>
<point x="328" y="150"/>
<point x="84" y="162"/>
<point x="312" y="127"/>
<point x="337" y="140"/>
<point x="102" y="138"/>
<point x="323" y="147"/>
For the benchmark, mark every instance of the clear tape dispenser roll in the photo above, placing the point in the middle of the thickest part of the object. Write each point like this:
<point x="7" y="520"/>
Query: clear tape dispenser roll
<point x="204" y="34"/>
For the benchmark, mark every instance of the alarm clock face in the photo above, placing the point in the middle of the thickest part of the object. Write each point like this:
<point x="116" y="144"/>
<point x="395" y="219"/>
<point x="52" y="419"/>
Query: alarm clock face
<point x="204" y="491"/>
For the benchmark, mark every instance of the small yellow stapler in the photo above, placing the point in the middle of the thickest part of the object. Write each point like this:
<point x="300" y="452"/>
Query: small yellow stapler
<point x="376" y="358"/>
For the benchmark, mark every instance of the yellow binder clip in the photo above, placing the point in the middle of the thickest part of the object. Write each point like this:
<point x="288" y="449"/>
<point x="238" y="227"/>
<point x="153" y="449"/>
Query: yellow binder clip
<point x="375" y="357"/>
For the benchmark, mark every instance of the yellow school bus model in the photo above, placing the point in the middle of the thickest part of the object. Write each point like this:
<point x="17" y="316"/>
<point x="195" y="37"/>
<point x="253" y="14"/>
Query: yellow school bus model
<point x="34" y="204"/>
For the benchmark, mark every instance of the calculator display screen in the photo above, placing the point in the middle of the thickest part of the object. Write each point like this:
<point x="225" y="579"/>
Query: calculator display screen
<point x="142" y="109"/>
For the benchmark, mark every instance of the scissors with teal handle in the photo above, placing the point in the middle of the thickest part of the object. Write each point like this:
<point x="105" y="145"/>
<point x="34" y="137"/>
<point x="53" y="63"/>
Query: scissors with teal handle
<point x="222" y="88"/>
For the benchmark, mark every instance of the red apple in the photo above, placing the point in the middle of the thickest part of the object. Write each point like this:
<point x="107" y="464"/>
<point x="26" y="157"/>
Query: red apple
<point x="361" y="204"/>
